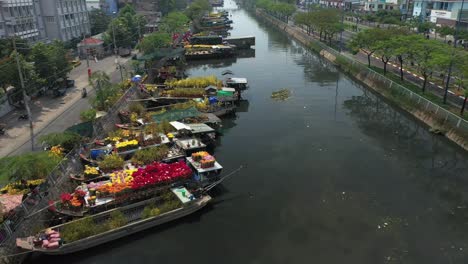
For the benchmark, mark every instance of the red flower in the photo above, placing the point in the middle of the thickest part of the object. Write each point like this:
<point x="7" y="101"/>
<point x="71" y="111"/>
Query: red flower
<point x="80" y="193"/>
<point x="52" y="206"/>
<point x="66" y="197"/>
<point x="157" y="173"/>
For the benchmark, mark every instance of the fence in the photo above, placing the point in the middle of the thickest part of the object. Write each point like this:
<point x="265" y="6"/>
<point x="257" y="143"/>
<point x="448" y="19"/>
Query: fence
<point x="405" y="96"/>
<point x="31" y="215"/>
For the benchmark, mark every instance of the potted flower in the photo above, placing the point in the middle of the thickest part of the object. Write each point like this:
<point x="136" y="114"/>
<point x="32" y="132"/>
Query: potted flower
<point x="66" y="198"/>
<point x="91" y="172"/>
<point x="111" y="162"/>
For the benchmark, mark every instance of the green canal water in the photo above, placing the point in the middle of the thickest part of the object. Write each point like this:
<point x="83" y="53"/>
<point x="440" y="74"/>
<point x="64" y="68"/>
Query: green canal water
<point x="331" y="175"/>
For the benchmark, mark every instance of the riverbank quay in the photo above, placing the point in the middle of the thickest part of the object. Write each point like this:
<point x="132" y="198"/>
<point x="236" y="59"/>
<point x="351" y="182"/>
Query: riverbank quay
<point x="437" y="118"/>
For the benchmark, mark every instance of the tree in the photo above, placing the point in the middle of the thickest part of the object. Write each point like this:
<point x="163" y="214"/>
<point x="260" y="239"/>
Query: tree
<point x="404" y="50"/>
<point x="106" y="92"/>
<point x="30" y="166"/>
<point x="425" y="27"/>
<point x="9" y="71"/>
<point x="461" y="71"/>
<point x="175" y="22"/>
<point x="386" y="46"/>
<point x="366" y="41"/>
<point x="445" y="31"/>
<point x="51" y="62"/>
<point x="120" y="32"/>
<point x="67" y="140"/>
<point x="154" y="41"/>
<point x="427" y="53"/>
<point x="126" y="28"/>
<point x="167" y="6"/>
<point x="99" y="21"/>
<point x="197" y="9"/>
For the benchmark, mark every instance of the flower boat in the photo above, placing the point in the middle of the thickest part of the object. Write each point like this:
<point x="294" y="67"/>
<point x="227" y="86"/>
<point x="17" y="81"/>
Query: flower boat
<point x="53" y="241"/>
<point x="121" y="187"/>
<point x="207" y="169"/>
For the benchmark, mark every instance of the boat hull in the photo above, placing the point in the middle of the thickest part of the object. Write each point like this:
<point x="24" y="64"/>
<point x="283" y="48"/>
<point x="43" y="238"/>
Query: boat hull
<point x="127" y="229"/>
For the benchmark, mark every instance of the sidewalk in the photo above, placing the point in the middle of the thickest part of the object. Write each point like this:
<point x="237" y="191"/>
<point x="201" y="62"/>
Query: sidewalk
<point x="47" y="109"/>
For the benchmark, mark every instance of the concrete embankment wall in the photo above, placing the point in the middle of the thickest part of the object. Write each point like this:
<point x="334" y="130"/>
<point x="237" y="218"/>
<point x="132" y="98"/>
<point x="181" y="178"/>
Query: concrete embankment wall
<point x="454" y="127"/>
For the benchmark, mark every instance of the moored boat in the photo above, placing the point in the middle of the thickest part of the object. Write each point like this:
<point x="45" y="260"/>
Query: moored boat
<point x="135" y="222"/>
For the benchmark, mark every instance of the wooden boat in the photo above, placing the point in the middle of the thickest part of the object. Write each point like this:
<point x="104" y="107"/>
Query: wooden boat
<point x="135" y="223"/>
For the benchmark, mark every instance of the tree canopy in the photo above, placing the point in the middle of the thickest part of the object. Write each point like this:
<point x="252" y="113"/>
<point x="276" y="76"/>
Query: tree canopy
<point x="197" y="8"/>
<point x="99" y="21"/>
<point x="127" y="27"/>
<point x="155" y="41"/>
<point x="175" y="22"/>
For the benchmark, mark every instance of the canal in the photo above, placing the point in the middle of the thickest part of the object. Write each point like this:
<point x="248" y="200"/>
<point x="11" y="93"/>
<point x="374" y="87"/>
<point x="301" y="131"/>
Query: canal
<point x="334" y="174"/>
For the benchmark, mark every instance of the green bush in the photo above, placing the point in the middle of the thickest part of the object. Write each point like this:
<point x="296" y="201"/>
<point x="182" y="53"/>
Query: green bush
<point x="150" y="211"/>
<point x="117" y="219"/>
<point x="67" y="140"/>
<point x="147" y="156"/>
<point x="137" y="108"/>
<point x="111" y="162"/>
<point x="88" y="115"/>
<point x="29" y="166"/>
<point x="80" y="229"/>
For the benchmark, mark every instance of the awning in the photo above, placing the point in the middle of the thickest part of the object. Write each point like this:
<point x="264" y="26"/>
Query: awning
<point x="179" y="125"/>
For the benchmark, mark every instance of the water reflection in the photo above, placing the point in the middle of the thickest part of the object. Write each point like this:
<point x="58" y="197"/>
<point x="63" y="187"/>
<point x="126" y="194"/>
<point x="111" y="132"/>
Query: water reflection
<point x="221" y="63"/>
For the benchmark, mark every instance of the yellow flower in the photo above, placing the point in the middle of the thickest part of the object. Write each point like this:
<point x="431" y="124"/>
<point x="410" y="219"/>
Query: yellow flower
<point x="56" y="151"/>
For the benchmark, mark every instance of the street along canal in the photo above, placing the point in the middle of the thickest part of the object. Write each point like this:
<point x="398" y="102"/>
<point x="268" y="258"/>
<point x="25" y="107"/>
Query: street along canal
<point x="332" y="175"/>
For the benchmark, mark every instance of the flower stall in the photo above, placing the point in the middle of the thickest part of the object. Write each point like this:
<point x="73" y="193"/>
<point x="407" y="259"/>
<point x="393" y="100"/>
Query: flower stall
<point x="123" y="186"/>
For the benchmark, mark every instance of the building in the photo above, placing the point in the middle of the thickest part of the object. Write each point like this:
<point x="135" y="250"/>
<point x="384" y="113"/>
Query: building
<point x="65" y="19"/>
<point x="91" y="47"/>
<point x="442" y="13"/>
<point x="109" y="6"/>
<point x="44" y="20"/>
<point x="376" y="5"/>
<point x="93" y="4"/>
<point x="20" y="18"/>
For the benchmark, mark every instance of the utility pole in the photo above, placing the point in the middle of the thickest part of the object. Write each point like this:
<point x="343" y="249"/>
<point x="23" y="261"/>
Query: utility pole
<point x="342" y="26"/>
<point x="25" y="96"/>
<point x="115" y="52"/>
<point x="455" y="40"/>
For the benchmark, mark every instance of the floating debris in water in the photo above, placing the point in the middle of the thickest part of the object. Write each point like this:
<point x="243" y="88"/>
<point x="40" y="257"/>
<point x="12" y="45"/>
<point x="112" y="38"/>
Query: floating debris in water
<point x="281" y="95"/>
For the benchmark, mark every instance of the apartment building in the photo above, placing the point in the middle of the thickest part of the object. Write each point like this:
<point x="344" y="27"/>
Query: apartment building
<point x="64" y="19"/>
<point x="442" y="13"/>
<point x="44" y="20"/>
<point x="20" y="18"/>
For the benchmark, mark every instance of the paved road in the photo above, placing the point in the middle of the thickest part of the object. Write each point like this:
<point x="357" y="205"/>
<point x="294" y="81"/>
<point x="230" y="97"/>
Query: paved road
<point x="55" y="115"/>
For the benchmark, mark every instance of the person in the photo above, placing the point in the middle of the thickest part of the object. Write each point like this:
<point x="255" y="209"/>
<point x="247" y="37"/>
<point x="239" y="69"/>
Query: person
<point x="84" y="93"/>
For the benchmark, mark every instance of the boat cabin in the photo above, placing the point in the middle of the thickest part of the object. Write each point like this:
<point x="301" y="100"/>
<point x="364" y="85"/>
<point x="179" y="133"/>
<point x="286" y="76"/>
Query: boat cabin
<point x="190" y="145"/>
<point x="237" y="83"/>
<point x="211" y="90"/>
<point x="205" y="175"/>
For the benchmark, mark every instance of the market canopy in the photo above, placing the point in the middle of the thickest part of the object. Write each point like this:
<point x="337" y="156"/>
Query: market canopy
<point x="179" y="126"/>
<point x="178" y="114"/>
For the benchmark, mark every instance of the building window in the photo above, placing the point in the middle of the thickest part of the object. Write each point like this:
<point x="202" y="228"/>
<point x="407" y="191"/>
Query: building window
<point x="379" y="6"/>
<point x="50" y="19"/>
